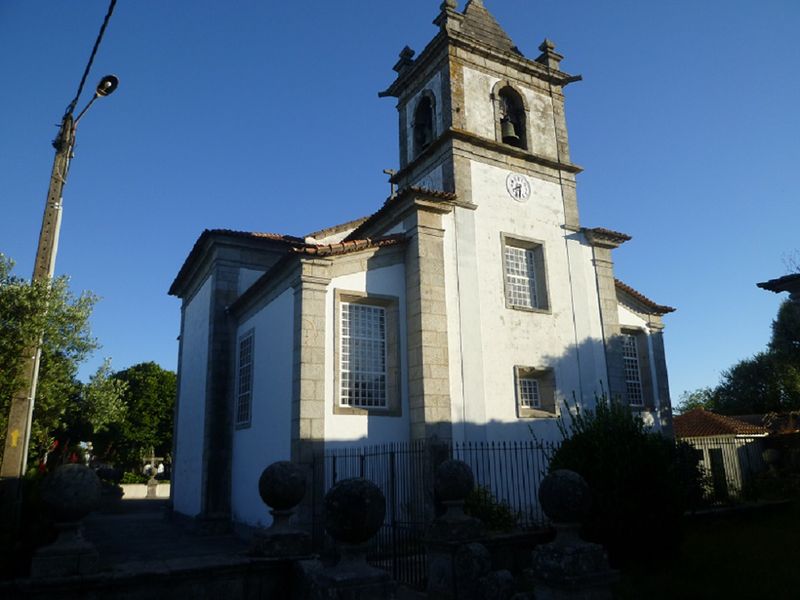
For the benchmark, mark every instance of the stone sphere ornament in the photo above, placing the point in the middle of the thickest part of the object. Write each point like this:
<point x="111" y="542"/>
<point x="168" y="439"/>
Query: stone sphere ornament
<point x="354" y="510"/>
<point x="71" y="492"/>
<point x="454" y="481"/>
<point x="282" y="485"/>
<point x="565" y="496"/>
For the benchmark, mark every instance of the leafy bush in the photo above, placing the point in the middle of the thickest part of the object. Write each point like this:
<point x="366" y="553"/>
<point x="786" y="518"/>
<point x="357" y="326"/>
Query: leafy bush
<point x="131" y="477"/>
<point x="481" y="504"/>
<point x="641" y="482"/>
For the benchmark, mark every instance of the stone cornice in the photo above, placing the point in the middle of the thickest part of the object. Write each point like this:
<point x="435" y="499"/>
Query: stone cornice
<point x="474" y="46"/>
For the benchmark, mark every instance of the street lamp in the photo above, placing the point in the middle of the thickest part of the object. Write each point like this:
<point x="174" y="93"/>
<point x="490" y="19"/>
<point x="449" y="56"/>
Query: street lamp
<point x="15" y="454"/>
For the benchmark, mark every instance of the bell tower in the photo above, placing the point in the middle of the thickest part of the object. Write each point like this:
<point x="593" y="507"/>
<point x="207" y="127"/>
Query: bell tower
<point x="470" y="96"/>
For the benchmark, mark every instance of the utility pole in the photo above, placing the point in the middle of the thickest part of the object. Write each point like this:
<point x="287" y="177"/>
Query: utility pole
<point x="20" y="417"/>
<point x="15" y="453"/>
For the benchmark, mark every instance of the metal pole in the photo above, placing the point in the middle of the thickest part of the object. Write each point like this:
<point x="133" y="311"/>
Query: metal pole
<point x="15" y="453"/>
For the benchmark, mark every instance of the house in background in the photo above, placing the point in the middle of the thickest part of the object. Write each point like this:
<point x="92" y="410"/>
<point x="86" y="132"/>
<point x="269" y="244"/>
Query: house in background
<point x="729" y="449"/>
<point x="468" y="307"/>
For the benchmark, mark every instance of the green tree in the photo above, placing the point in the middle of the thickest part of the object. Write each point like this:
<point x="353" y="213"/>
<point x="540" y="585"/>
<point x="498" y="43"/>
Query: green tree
<point x="785" y="340"/>
<point x="699" y="398"/>
<point x="95" y="406"/>
<point x="149" y="398"/>
<point x="766" y="382"/>
<point x="27" y="311"/>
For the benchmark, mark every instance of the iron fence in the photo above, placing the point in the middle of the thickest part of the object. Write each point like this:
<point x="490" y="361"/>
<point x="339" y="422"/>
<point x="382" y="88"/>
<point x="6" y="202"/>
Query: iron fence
<point x="510" y="471"/>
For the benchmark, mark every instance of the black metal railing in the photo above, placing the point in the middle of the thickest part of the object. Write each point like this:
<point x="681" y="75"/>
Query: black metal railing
<point x="510" y="471"/>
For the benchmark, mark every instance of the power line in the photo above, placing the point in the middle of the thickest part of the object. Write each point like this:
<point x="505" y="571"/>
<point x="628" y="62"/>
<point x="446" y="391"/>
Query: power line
<point x="74" y="102"/>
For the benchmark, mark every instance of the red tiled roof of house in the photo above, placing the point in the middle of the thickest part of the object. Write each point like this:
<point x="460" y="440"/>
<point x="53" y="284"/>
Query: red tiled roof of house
<point x="699" y="422"/>
<point x="660" y="309"/>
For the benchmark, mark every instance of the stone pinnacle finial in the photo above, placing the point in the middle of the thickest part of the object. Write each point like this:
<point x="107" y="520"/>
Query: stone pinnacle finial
<point x="549" y="56"/>
<point x="452" y="4"/>
<point x="406" y="59"/>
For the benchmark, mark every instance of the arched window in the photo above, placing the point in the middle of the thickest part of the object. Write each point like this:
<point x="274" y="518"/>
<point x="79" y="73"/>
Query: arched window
<point x="423" y="124"/>
<point x="512" y="118"/>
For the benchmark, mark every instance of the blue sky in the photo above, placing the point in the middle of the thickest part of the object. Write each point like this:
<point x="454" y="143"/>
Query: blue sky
<point x="264" y="116"/>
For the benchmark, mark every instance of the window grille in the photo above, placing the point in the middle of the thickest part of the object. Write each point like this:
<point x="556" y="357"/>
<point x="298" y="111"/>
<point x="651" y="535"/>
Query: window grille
<point x="529" y="393"/>
<point x="363" y="356"/>
<point x="633" y="380"/>
<point x="520" y="277"/>
<point x="244" y="397"/>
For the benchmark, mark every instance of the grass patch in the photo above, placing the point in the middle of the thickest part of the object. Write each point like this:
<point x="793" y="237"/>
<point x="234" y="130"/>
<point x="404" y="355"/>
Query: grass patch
<point x="741" y="555"/>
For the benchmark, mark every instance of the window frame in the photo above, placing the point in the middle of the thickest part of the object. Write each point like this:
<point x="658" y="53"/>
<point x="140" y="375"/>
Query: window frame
<point x="546" y="384"/>
<point x="640" y="339"/>
<point x="239" y="422"/>
<point x="390" y="305"/>
<point x="541" y="289"/>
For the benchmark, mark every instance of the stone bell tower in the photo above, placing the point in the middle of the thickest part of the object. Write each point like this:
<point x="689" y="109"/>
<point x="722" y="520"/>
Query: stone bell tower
<point x="471" y="96"/>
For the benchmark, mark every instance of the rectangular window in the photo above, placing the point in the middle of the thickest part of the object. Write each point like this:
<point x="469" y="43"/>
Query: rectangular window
<point x="633" y="378"/>
<point x="529" y="393"/>
<point x="520" y="277"/>
<point x="363" y="356"/>
<point x="244" y="380"/>
<point x="536" y="392"/>
<point x="524" y="274"/>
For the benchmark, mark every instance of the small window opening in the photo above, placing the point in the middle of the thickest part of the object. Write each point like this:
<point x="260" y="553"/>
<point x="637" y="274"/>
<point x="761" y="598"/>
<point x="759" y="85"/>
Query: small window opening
<point x="423" y="125"/>
<point x="512" y="118"/>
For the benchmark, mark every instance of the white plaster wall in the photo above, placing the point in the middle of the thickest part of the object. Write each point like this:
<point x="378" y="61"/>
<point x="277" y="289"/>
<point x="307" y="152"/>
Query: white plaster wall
<point x="434" y="85"/>
<point x="192" y="403"/>
<point x="480" y="116"/>
<point x="432" y="180"/>
<point x="540" y="123"/>
<point x="478" y="107"/>
<point x="247" y="277"/>
<point x="354" y="430"/>
<point x="628" y="318"/>
<point x="268" y="439"/>
<point x="567" y="338"/>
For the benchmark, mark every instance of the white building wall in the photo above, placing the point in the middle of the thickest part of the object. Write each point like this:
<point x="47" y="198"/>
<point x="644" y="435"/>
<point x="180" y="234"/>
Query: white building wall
<point x="268" y="439"/>
<point x="188" y="467"/>
<point x="247" y="277"/>
<point x="478" y="107"/>
<point x="567" y="338"/>
<point x="354" y="430"/>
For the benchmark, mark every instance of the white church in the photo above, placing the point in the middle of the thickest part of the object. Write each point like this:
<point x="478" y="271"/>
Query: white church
<point x="472" y="305"/>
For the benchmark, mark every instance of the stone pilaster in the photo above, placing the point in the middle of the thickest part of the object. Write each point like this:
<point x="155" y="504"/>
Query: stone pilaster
<point x="308" y="375"/>
<point x="426" y="318"/>
<point x="218" y="436"/>
<point x="662" y="381"/>
<point x="609" y="317"/>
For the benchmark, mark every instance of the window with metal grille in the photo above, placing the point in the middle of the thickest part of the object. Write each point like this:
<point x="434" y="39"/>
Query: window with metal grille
<point x="529" y="393"/>
<point x="520" y="266"/>
<point x="363" y="355"/>
<point x="244" y="382"/>
<point x="633" y="378"/>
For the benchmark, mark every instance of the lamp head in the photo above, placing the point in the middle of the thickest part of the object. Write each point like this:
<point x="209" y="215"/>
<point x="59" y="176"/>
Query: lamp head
<point x="107" y="85"/>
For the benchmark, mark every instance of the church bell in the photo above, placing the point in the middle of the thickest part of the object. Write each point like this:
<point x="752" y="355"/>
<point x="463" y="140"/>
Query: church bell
<point x="509" y="132"/>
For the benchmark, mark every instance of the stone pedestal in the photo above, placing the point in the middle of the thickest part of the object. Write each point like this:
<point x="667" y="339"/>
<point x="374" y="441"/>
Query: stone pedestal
<point x="282" y="486"/>
<point x="354" y="512"/>
<point x="569" y="568"/>
<point x="69" y="555"/>
<point x="71" y="492"/>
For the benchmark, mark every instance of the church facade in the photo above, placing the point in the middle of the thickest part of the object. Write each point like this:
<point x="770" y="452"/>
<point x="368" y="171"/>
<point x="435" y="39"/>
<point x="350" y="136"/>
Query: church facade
<point x="472" y="305"/>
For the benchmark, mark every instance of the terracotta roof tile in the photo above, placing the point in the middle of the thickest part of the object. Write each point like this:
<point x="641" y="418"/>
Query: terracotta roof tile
<point x="704" y="423"/>
<point x="660" y="309"/>
<point x="347" y="246"/>
<point x="322" y="233"/>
